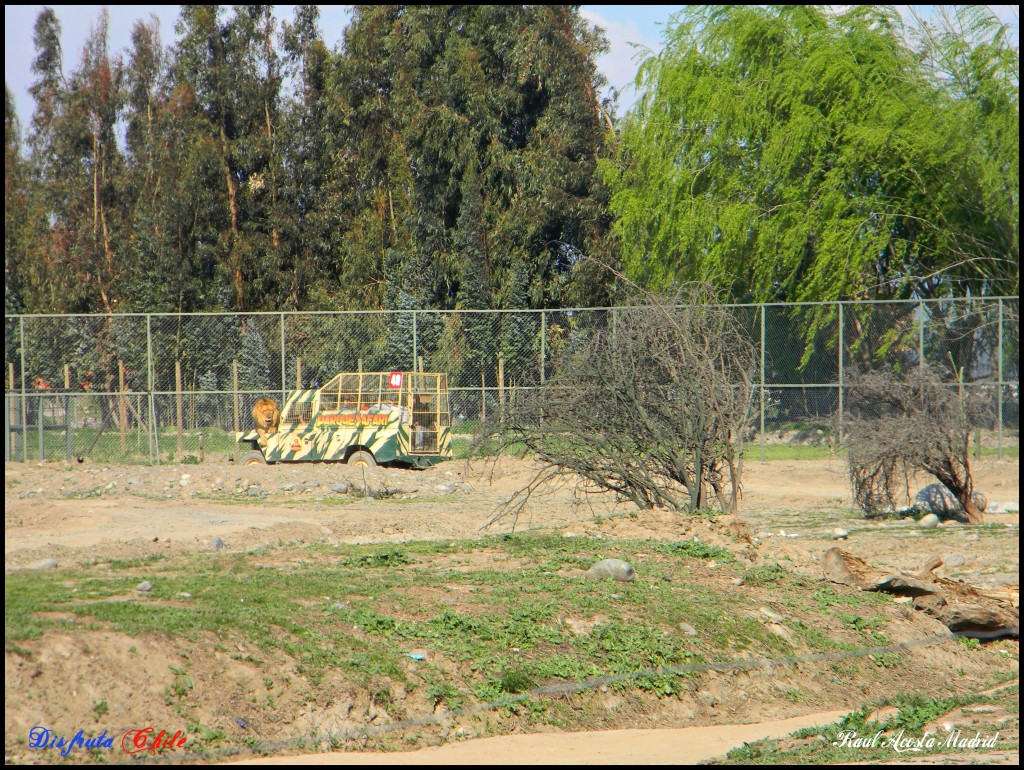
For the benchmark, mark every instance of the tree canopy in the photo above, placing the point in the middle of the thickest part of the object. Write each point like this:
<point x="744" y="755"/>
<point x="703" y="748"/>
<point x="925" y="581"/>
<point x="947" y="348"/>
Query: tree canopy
<point x="462" y="157"/>
<point x="792" y="153"/>
<point x="441" y="157"/>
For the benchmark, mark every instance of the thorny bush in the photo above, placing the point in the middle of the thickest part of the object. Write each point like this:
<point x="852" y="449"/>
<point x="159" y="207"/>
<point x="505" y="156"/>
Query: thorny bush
<point x="899" y="424"/>
<point x="653" y="408"/>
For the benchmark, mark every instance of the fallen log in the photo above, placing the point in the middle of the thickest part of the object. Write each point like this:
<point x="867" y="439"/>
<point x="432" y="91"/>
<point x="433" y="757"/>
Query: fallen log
<point x="964" y="609"/>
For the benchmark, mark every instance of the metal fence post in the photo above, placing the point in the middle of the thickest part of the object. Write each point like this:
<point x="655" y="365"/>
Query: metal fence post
<point x="999" y="397"/>
<point x="543" y="337"/>
<point x="67" y="420"/>
<point x="762" y="385"/>
<point x="920" y="335"/>
<point x="24" y="387"/>
<point x="39" y="428"/>
<point x="415" y="348"/>
<point x="842" y="345"/>
<point x="154" y="429"/>
<point x="284" y="378"/>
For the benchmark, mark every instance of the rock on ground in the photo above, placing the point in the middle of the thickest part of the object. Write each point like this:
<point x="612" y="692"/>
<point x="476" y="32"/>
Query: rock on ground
<point x="937" y="499"/>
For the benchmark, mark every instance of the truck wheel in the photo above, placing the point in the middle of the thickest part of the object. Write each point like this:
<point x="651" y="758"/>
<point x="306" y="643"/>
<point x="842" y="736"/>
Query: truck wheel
<point x="253" y="458"/>
<point x="361" y="458"/>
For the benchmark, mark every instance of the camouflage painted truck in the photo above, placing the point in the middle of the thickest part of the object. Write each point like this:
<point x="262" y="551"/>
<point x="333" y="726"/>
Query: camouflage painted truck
<point x="361" y="418"/>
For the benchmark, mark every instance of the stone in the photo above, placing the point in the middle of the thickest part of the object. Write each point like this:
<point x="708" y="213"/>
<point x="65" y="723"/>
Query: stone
<point x="771" y="615"/>
<point x="687" y="629"/>
<point x="937" y="499"/>
<point x="840" y="534"/>
<point x="145" y="585"/>
<point x="44" y="564"/>
<point x="931" y="521"/>
<point x="616" y="569"/>
<point x="955" y="560"/>
<point x="780" y="631"/>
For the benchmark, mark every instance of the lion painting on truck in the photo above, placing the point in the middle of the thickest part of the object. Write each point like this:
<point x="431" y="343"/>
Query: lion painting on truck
<point x="359" y="418"/>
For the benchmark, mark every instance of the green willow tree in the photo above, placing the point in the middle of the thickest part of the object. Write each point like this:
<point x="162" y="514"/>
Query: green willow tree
<point x="790" y="153"/>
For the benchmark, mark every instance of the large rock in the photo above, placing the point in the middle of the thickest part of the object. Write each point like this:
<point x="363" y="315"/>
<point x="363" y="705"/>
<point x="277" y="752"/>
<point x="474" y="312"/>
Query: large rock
<point x="616" y="569"/>
<point x="937" y="499"/>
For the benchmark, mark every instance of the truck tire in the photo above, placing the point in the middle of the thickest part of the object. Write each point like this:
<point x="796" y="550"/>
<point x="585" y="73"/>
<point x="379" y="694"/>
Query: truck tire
<point x="361" y="458"/>
<point x="253" y="458"/>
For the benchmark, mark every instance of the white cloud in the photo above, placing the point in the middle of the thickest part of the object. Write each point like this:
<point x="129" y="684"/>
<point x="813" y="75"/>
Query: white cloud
<point x="619" y="65"/>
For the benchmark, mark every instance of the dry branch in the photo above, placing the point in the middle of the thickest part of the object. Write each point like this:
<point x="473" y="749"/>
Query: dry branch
<point x="899" y="424"/>
<point x="961" y="607"/>
<point x="652" y="407"/>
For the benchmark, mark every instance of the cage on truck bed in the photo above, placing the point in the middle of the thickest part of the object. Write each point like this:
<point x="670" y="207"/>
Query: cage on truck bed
<point x="361" y="418"/>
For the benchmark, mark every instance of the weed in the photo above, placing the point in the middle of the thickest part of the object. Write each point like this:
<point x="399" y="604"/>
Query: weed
<point x="389" y="558"/>
<point x="888" y="660"/>
<point x="179" y="688"/>
<point x="515" y="681"/>
<point x="444" y="692"/>
<point x="101" y="709"/>
<point x="765" y="575"/>
<point x="694" y="549"/>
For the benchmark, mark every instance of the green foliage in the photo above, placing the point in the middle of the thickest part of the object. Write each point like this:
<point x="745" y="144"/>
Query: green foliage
<point x="792" y="153"/>
<point x="694" y="549"/>
<point x="515" y="681"/>
<point x="765" y="575"/>
<point x="388" y="558"/>
<point x="914" y="713"/>
<point x="446" y="155"/>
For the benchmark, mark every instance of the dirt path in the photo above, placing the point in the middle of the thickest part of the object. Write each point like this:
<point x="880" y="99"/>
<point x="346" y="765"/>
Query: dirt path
<point x="685" y="745"/>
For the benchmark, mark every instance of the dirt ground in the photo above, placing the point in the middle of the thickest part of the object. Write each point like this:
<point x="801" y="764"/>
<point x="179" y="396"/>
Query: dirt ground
<point x="79" y="514"/>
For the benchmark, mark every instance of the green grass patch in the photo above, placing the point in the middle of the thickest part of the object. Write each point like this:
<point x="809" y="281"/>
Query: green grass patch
<point x="497" y="616"/>
<point x="774" y="452"/>
<point x="694" y="549"/>
<point x="834" y="743"/>
<point x="766" y="574"/>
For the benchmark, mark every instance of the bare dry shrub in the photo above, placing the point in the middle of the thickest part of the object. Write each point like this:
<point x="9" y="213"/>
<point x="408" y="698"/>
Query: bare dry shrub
<point x="652" y="408"/>
<point x="899" y="424"/>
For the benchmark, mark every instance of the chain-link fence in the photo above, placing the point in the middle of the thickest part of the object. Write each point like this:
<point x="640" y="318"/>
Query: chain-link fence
<point x="177" y="387"/>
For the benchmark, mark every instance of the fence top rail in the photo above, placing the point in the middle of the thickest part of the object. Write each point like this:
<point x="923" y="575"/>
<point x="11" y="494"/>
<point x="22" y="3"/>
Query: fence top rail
<point x="291" y="313"/>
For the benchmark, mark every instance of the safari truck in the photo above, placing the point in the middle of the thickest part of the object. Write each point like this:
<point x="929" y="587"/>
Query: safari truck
<point x="361" y="418"/>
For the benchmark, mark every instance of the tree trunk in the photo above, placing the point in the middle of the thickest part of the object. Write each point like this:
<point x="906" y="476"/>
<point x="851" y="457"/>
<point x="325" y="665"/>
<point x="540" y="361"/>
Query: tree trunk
<point x="964" y="494"/>
<point x="966" y="498"/>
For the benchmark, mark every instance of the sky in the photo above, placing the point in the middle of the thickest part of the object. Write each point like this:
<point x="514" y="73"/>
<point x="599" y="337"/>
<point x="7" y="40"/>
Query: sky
<point x="625" y="28"/>
<point x="623" y="25"/>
